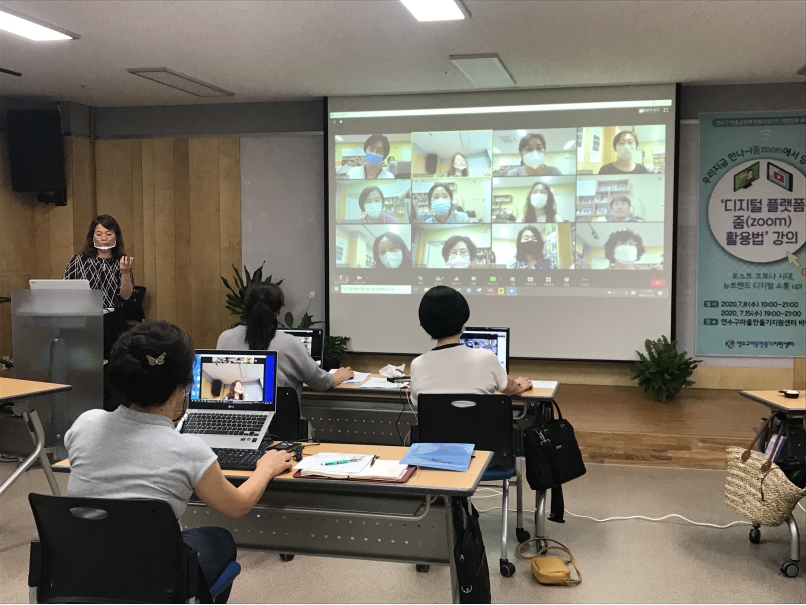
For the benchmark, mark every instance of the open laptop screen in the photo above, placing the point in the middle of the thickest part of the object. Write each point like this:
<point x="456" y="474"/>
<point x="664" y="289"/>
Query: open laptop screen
<point x="312" y="339"/>
<point x="492" y="339"/>
<point x="234" y="380"/>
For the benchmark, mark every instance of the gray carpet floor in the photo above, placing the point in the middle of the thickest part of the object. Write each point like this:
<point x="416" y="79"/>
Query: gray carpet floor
<point x="621" y="561"/>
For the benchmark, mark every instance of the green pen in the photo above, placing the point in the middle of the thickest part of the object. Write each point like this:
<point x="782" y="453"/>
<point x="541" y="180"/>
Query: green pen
<point x="332" y="462"/>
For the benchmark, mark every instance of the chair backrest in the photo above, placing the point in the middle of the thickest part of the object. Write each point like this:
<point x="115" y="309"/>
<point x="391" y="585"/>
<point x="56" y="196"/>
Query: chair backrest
<point x="133" y="308"/>
<point x="287" y="423"/>
<point x="99" y="550"/>
<point x="483" y="420"/>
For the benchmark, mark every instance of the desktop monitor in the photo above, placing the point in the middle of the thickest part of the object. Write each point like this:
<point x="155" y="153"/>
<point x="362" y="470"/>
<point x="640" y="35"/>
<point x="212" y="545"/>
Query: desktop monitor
<point x="492" y="339"/>
<point x="312" y="339"/>
<point x="241" y="380"/>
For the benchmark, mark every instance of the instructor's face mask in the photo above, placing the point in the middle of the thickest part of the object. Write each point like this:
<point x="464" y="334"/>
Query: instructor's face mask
<point x="441" y="207"/>
<point x="626" y="254"/>
<point x="538" y="200"/>
<point x="459" y="262"/>
<point x="373" y="159"/>
<point x="98" y="246"/>
<point x="392" y="259"/>
<point x="373" y="210"/>
<point x="626" y="152"/>
<point x="533" y="159"/>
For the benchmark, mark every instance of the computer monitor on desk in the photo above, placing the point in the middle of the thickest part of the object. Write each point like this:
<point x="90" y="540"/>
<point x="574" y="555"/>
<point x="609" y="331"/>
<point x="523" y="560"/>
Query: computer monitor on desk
<point x="312" y="339"/>
<point x="492" y="339"/>
<point x="59" y="284"/>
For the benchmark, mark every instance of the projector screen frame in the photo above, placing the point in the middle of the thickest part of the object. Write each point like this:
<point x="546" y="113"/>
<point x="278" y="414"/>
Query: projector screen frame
<point x="674" y="215"/>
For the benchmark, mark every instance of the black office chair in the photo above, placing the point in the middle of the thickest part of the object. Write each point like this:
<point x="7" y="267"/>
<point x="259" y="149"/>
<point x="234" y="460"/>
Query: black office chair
<point x="487" y="422"/>
<point x="93" y="550"/>
<point x="288" y="423"/>
<point x="133" y="308"/>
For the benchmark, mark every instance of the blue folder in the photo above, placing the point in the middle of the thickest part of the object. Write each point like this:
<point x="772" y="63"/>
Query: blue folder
<point x="442" y="456"/>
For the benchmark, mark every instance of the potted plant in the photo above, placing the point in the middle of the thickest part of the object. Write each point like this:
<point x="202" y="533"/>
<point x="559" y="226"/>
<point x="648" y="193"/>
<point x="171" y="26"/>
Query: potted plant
<point x="663" y="371"/>
<point x="242" y="282"/>
<point x="335" y="351"/>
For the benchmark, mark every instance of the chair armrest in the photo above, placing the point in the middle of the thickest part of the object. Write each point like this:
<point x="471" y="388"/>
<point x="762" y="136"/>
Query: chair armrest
<point x="35" y="564"/>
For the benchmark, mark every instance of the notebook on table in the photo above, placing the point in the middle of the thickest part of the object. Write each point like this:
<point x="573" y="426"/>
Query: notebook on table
<point x="353" y="467"/>
<point x="440" y="456"/>
<point x="232" y="401"/>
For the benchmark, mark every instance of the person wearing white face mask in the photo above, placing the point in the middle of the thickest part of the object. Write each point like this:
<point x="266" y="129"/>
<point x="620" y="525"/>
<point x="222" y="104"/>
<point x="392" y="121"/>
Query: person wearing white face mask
<point x="104" y="264"/>
<point x="371" y="201"/>
<point x="626" y="145"/>
<point x="390" y="252"/>
<point x="376" y="148"/>
<point x="623" y="249"/>
<point x="540" y="206"/>
<point x="532" y="148"/>
<point x="440" y="200"/>
<point x="459" y="252"/>
<point x="459" y="166"/>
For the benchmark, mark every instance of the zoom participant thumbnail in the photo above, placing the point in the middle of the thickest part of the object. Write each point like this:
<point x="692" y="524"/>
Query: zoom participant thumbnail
<point x="451" y="201"/>
<point x="378" y="247"/>
<point x="534" y="152"/>
<point x="622" y="149"/>
<point x="459" y="154"/>
<point x="454" y="246"/>
<point x="381" y="201"/>
<point x="633" y="198"/>
<point x="620" y="247"/>
<point x="232" y="379"/>
<point x="373" y="156"/>
<point x="536" y="246"/>
<point x="549" y="199"/>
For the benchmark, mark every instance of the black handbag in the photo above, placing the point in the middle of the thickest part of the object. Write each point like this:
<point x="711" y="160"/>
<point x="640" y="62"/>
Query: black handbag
<point x="470" y="556"/>
<point x="552" y="453"/>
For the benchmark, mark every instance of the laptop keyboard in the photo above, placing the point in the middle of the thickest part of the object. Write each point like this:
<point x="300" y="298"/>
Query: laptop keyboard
<point x="238" y="460"/>
<point x="246" y="425"/>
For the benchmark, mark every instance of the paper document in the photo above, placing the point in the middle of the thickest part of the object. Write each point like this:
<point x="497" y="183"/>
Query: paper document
<point x="380" y="383"/>
<point x="343" y="464"/>
<point x="391" y="470"/>
<point x="544" y="384"/>
<point x="358" y="377"/>
<point x="443" y="456"/>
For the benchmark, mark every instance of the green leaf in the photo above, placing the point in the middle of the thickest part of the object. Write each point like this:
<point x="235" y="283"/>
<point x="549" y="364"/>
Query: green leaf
<point x="289" y="320"/>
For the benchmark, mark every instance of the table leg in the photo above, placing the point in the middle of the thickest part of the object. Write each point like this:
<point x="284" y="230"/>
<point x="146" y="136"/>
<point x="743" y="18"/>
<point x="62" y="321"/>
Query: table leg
<point x="38" y="437"/>
<point x="451" y="541"/>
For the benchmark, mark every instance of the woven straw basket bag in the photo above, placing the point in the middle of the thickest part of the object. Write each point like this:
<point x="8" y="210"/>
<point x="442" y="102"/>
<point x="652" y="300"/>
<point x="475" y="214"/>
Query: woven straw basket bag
<point x="756" y="488"/>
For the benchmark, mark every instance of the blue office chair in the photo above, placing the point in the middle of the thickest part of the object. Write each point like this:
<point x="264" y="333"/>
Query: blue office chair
<point x="487" y="422"/>
<point x="93" y="550"/>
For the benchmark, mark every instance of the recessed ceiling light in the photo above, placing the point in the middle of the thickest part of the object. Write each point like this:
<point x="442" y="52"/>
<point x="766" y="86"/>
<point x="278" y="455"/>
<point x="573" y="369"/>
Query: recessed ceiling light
<point x="521" y="133"/>
<point x="174" y="79"/>
<point x="436" y="10"/>
<point x="33" y="29"/>
<point x="339" y="137"/>
<point x="569" y="144"/>
<point x="484" y="71"/>
<point x="496" y="150"/>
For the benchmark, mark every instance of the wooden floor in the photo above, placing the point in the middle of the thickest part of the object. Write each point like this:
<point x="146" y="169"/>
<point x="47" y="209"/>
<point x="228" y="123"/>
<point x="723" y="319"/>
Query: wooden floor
<point x="621" y="425"/>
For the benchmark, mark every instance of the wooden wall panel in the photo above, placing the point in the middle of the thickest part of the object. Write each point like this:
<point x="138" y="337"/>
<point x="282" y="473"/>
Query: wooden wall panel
<point x="113" y="178"/>
<point x="182" y="222"/>
<point x="229" y="166"/>
<point x="164" y="233"/>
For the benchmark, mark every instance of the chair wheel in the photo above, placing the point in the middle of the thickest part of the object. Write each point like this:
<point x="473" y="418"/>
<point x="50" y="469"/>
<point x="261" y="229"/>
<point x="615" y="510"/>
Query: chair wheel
<point x="507" y="569"/>
<point x="540" y="545"/>
<point x="522" y="535"/>
<point x="755" y="535"/>
<point x="285" y="557"/>
<point x="790" y="569"/>
<point x="422" y="568"/>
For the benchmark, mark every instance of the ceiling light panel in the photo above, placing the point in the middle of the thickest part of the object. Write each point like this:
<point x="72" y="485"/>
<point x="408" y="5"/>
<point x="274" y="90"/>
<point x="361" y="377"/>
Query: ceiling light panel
<point x="436" y="10"/>
<point x="484" y="71"/>
<point x="174" y="79"/>
<point x="33" y="29"/>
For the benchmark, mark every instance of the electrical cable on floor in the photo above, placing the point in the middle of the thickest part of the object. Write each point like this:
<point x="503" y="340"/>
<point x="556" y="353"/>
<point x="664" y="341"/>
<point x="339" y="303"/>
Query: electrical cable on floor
<point x="801" y="507"/>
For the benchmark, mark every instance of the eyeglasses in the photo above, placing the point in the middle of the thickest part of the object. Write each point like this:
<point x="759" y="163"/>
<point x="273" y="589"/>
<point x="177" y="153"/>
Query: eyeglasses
<point x="454" y="254"/>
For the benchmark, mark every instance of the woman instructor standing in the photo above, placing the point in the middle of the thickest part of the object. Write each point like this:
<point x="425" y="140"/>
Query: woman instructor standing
<point x="104" y="264"/>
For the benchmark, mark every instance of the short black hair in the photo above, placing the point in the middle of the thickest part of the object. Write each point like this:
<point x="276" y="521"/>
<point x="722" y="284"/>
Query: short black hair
<point x="362" y="197"/>
<point x="149" y="362"/>
<point x="443" y="312"/>
<point x="619" y="237"/>
<point x="445" y="186"/>
<point x="455" y="239"/>
<point x="620" y="198"/>
<point x="374" y="139"/>
<point x="624" y="133"/>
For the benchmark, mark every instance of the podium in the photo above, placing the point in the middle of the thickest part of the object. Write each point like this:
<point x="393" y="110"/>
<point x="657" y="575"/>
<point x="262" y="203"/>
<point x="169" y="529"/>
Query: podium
<point x="57" y="337"/>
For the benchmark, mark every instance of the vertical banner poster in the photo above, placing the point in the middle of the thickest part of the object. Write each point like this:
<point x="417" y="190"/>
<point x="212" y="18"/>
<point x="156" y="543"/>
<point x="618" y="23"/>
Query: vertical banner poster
<point x="751" y="263"/>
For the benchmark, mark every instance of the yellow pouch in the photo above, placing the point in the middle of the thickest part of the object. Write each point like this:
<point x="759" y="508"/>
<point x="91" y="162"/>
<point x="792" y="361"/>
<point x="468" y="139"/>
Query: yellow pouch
<point x="549" y="569"/>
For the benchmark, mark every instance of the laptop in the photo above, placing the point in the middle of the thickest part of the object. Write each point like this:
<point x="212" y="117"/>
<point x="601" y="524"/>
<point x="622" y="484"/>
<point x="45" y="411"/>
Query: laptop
<point x="492" y="339"/>
<point x="59" y="284"/>
<point x="312" y="339"/>
<point x="232" y="398"/>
